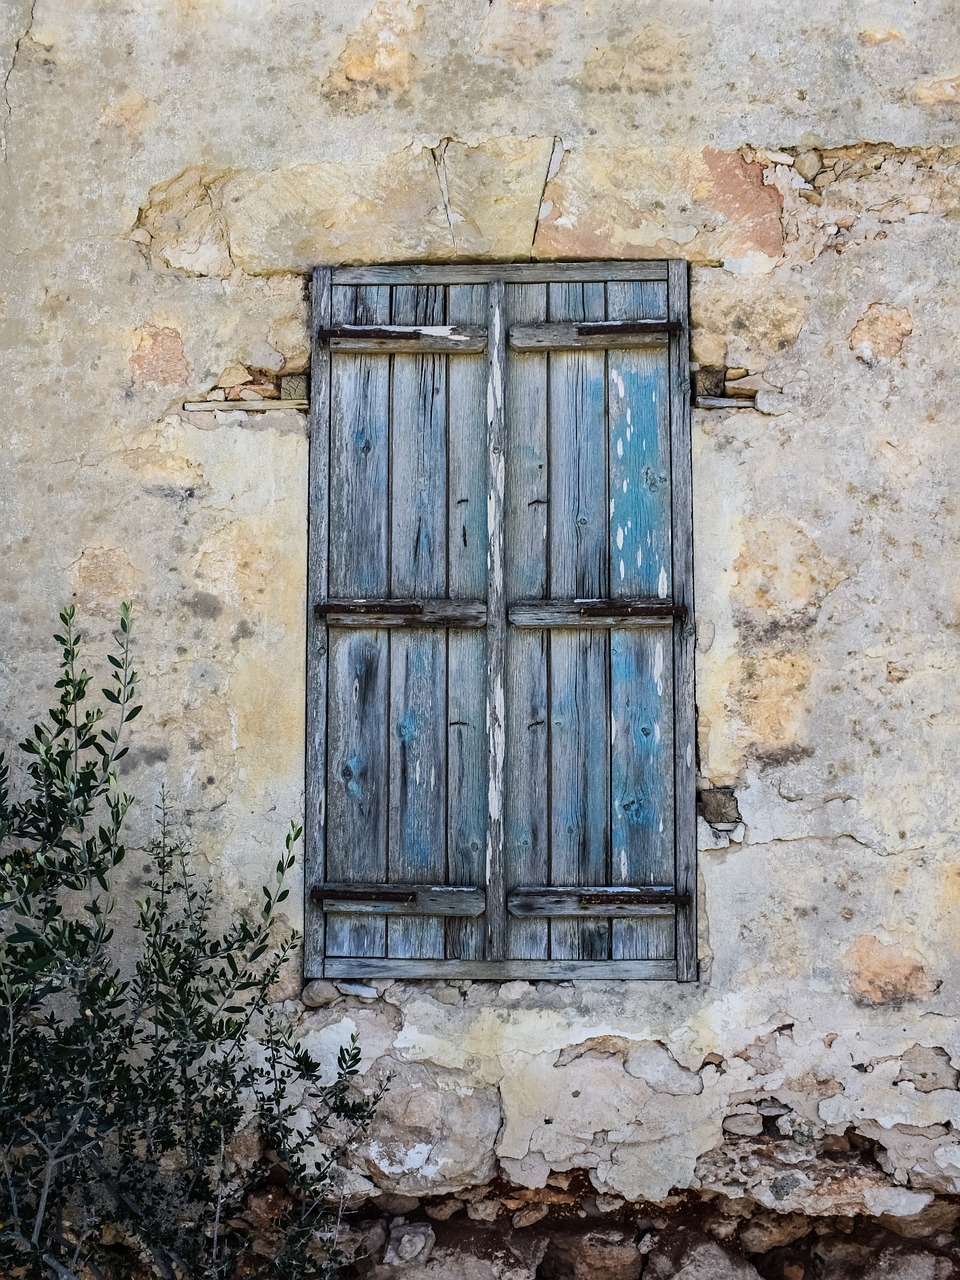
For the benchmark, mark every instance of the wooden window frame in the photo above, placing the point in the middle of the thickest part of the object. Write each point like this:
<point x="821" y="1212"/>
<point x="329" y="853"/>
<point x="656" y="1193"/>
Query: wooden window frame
<point x="451" y="899"/>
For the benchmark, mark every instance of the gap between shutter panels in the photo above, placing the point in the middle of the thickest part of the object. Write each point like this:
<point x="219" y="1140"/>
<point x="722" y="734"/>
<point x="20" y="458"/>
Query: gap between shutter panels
<point x="610" y="936"/>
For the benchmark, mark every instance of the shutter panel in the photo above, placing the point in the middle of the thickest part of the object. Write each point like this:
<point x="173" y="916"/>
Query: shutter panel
<point x="551" y="650"/>
<point x="405" y="775"/>
<point x="597" y="701"/>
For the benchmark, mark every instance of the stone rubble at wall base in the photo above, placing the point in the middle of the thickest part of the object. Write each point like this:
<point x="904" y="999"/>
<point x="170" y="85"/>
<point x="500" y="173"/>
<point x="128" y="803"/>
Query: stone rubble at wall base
<point x="693" y="1238"/>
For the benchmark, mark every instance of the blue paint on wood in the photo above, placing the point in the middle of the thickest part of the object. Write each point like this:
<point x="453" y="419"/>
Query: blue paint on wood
<point x="418" y="782"/>
<point x="579" y="782"/>
<point x="641" y="790"/>
<point x="639" y="451"/>
<point x="357" y="768"/>
<point x="359" y="455"/>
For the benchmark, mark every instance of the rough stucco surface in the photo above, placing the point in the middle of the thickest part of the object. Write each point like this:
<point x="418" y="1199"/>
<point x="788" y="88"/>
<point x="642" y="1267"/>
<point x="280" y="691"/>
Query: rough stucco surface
<point x="170" y="170"/>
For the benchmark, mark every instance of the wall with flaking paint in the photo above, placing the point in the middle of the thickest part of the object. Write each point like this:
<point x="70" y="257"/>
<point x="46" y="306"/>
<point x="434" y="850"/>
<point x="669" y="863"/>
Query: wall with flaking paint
<point x="171" y="170"/>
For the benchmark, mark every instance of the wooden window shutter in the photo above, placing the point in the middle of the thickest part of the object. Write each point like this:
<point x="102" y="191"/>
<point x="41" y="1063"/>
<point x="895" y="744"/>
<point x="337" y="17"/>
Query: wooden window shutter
<point x="500" y="761"/>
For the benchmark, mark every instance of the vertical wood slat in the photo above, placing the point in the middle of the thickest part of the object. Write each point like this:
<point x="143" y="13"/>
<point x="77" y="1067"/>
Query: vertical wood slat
<point x="418" y="667"/>
<point x="528" y="477"/>
<point x="418" y="459"/>
<point x="578" y="537"/>
<point x="661" y="937"/>
<point x="317" y="548"/>
<point x="527" y="830"/>
<point x="654" y="299"/>
<point x="496" y="625"/>
<point x="641" y="664"/>
<point x="358" y="663"/>
<point x="641" y="790"/>
<point x="359" y="454"/>
<point x="466" y="579"/>
<point x="579" y="568"/>
<point x="418" y="802"/>
<point x="358" y="757"/>
<point x="685" y="693"/>
<point x="466" y="783"/>
<point x="466" y="452"/>
<point x="639" y="449"/>
<point x="579" y="721"/>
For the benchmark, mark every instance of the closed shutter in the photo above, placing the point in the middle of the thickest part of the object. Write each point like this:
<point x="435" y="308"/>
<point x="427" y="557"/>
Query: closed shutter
<point x="500" y="700"/>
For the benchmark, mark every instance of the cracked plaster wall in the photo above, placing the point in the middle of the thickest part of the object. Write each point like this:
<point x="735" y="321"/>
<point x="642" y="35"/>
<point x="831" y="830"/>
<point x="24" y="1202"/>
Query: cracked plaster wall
<point x="169" y="171"/>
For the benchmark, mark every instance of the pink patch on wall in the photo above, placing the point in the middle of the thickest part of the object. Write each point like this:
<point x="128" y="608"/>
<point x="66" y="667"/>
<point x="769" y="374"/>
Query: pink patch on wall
<point x="740" y="195"/>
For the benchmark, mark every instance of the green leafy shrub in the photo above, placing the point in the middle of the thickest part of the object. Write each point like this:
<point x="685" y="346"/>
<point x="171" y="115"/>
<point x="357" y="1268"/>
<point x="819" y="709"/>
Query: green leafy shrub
<point x="127" y="1090"/>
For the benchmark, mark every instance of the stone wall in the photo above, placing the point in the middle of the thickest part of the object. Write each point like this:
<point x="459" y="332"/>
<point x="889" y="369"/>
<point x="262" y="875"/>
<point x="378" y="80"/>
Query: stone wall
<point x="170" y="170"/>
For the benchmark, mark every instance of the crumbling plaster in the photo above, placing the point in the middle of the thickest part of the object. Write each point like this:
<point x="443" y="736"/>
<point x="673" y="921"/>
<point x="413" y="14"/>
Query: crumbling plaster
<point x="171" y="170"/>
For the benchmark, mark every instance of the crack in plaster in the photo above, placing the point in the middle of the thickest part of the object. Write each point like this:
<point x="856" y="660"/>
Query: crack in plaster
<point x="553" y="168"/>
<point x="438" y="153"/>
<point x="24" y="35"/>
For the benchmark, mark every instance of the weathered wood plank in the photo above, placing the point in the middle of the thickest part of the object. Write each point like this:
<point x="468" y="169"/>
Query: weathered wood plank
<point x="641" y="791"/>
<point x="466" y="782"/>
<point x="253" y="406"/>
<point x="579" y="779"/>
<point x="418" y="777"/>
<point x="527" y="829"/>
<point x="358" y="674"/>
<point x="527" y="832"/>
<point x="504" y="970"/>
<point x="398" y="337"/>
<point x="641" y="823"/>
<point x="638" y="396"/>
<point x="579" y="551"/>
<point x="528" y="477"/>
<point x="510" y="272"/>
<point x="343" y="305"/>
<point x="418" y="674"/>
<point x="317" y="548"/>
<point x="604" y="900"/>
<point x="419" y="457"/>
<point x="702" y="402"/>
<point x="685" y="693"/>
<point x="386" y="899"/>
<point x="466" y="445"/>
<point x="496" y="627"/>
<point x="602" y="336"/>
<point x="467" y="544"/>
<point x="359" y="459"/>
<point x="605" y="613"/>
<point x="403" y="613"/>
<point x="654" y="302"/>
<point x="579" y="558"/>
<point x="358" y="664"/>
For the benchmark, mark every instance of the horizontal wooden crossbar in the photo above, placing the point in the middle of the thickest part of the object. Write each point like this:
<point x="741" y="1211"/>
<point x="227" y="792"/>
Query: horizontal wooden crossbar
<point x="509" y="272"/>
<point x="402" y="613"/>
<point x="616" y="901"/>
<point x="501" y="970"/>
<point x="598" y="334"/>
<point x="595" y="613"/>
<point x="399" y="899"/>
<point x="400" y="337"/>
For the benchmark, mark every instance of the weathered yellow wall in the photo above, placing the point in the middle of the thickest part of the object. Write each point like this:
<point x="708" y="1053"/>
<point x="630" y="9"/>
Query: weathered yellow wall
<point x="172" y="168"/>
